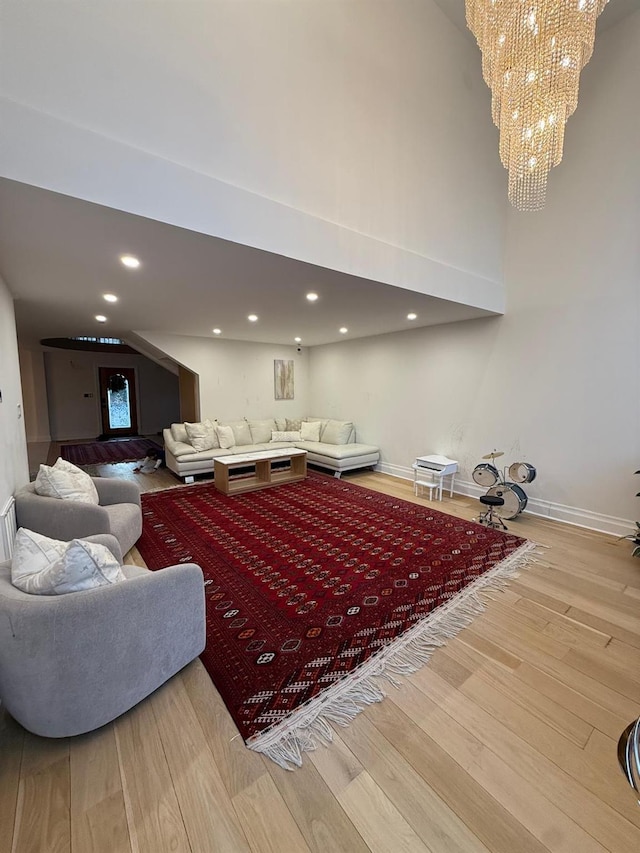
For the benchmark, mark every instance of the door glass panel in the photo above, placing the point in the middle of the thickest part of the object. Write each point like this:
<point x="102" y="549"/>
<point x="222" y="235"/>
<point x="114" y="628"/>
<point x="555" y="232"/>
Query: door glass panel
<point x="118" y="402"/>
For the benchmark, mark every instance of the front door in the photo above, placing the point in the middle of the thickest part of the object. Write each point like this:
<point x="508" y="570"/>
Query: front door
<point x="118" y="401"/>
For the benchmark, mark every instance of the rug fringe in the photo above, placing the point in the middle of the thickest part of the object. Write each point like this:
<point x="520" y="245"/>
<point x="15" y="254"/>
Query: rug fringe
<point x="310" y="725"/>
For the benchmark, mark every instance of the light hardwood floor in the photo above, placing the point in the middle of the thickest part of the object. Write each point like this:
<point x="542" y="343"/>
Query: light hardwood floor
<point x="505" y="742"/>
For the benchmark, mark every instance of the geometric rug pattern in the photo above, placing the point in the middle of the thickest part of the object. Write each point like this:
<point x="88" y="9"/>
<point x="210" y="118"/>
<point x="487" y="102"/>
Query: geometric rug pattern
<point x="314" y="589"/>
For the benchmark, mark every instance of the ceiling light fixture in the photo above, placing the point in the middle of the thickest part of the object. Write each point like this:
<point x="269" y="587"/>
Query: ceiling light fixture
<point x="312" y="297"/>
<point x="298" y="340"/>
<point x="412" y="316"/>
<point x="344" y="330"/>
<point x="532" y="56"/>
<point x="109" y="297"/>
<point x="252" y="318"/>
<point x="217" y="331"/>
<point x="101" y="318"/>
<point x="130" y="261"/>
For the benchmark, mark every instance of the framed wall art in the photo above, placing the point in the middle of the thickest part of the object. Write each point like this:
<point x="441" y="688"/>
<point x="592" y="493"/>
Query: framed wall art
<point x="283" y="379"/>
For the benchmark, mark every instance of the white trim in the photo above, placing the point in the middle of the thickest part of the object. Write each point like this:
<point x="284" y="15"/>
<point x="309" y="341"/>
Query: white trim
<point x="537" y="506"/>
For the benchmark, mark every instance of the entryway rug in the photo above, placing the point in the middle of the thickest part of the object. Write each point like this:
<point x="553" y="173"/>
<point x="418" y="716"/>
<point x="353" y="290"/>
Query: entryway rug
<point x="318" y="591"/>
<point x="107" y="452"/>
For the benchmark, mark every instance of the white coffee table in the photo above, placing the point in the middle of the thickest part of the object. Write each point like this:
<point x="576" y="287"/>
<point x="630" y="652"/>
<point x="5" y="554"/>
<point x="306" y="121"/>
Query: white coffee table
<point x="264" y="474"/>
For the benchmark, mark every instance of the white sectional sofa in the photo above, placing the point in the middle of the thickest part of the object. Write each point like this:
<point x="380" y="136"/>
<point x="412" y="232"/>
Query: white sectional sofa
<point x="191" y="448"/>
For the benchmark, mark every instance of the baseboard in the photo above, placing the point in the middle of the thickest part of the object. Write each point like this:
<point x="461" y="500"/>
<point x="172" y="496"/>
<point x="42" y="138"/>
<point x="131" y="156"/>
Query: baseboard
<point x="536" y="506"/>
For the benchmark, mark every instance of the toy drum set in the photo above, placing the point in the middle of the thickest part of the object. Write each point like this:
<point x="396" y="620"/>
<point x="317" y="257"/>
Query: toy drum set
<point x="515" y="500"/>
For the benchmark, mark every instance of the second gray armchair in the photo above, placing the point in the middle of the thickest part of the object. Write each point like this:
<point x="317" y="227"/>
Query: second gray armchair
<point x="118" y="513"/>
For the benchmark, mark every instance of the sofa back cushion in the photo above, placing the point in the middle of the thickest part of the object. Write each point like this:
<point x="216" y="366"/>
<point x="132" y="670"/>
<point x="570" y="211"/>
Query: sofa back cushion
<point x="202" y="435"/>
<point x="179" y="433"/>
<point x="241" y="432"/>
<point x="261" y="430"/>
<point x="337" y="432"/>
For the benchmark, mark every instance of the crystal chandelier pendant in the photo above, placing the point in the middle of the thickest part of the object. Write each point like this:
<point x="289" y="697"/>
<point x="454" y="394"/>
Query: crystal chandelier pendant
<point x="532" y="54"/>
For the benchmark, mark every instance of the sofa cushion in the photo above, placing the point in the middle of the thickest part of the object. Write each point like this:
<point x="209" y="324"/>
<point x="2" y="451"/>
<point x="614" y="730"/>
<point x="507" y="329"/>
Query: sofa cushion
<point x="337" y="451"/>
<point x="179" y="448"/>
<point x="261" y="430"/>
<point x="285" y="435"/>
<point x="293" y="424"/>
<point x="225" y="436"/>
<point x="66" y="481"/>
<point x="43" y="566"/>
<point x="241" y="432"/>
<point x="179" y="433"/>
<point x="337" y="432"/>
<point x="310" y="431"/>
<point x="202" y="435"/>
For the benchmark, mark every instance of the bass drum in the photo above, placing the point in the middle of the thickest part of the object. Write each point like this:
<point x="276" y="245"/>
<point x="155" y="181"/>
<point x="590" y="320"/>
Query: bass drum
<point x="522" y="472"/>
<point x="515" y="499"/>
<point x="485" y="474"/>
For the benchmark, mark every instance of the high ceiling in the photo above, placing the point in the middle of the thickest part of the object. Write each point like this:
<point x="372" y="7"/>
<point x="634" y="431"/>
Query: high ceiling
<point x="59" y="255"/>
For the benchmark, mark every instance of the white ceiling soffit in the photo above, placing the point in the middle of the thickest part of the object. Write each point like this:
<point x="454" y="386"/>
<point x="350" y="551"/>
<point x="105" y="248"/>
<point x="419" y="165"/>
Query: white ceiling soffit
<point x="59" y="255"/>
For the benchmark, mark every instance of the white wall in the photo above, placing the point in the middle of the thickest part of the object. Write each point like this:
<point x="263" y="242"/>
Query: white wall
<point x="365" y="123"/>
<point x="555" y="381"/>
<point x="34" y="393"/>
<point x="14" y="469"/>
<point x="236" y="378"/>
<point x="71" y="374"/>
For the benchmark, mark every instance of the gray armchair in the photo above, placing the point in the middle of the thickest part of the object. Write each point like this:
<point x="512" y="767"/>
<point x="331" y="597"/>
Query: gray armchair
<point x="71" y="663"/>
<point x="118" y="513"/>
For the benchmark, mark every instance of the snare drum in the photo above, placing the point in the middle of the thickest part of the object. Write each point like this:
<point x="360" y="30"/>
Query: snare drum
<point x="522" y="472"/>
<point x="485" y="474"/>
<point x="515" y="499"/>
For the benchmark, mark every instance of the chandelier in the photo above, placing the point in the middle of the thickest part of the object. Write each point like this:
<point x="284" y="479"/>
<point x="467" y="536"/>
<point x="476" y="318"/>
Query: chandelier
<point x="532" y="54"/>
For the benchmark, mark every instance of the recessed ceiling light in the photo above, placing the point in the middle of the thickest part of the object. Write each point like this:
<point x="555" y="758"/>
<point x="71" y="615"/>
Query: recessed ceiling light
<point x="252" y="318"/>
<point x="412" y="316"/>
<point x="130" y="261"/>
<point x="312" y="297"/>
<point x="217" y="331"/>
<point x="298" y="340"/>
<point x="344" y="330"/>
<point x="109" y="297"/>
<point x="101" y="318"/>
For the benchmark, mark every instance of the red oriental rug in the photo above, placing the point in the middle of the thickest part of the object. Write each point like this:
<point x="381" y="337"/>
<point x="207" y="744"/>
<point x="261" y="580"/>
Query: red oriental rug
<point x="317" y="591"/>
<point x="107" y="452"/>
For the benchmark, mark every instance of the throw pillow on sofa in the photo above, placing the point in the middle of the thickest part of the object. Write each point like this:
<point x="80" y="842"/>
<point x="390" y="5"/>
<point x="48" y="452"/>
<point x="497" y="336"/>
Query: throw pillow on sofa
<point x="67" y="482"/>
<point x="202" y="435"/>
<point x="310" y="430"/>
<point x="225" y="436"/>
<point x="285" y="435"/>
<point x="294" y="424"/>
<point x="241" y="432"/>
<point x="44" y="566"/>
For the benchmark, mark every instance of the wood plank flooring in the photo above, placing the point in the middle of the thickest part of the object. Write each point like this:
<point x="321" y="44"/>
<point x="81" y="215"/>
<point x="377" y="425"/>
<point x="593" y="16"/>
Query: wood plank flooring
<point x="504" y="743"/>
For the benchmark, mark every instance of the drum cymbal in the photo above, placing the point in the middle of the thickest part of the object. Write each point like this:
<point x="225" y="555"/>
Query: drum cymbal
<point x="494" y="455"/>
